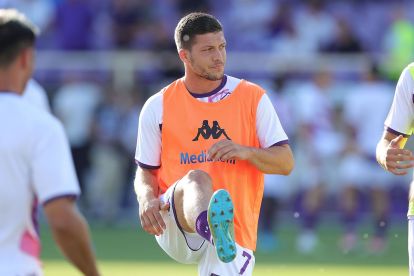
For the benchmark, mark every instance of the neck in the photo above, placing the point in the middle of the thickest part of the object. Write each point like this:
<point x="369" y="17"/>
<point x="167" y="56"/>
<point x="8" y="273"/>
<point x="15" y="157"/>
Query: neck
<point x="198" y="85"/>
<point x="10" y="82"/>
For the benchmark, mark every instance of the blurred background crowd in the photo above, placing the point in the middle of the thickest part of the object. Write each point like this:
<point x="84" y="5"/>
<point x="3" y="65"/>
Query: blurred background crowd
<point x="330" y="68"/>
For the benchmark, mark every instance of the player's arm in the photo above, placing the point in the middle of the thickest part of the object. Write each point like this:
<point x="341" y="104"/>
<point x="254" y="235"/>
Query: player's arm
<point x="148" y="156"/>
<point x="391" y="154"/>
<point x="273" y="157"/>
<point x="71" y="233"/>
<point x="273" y="160"/>
<point x="56" y="186"/>
<point x="146" y="188"/>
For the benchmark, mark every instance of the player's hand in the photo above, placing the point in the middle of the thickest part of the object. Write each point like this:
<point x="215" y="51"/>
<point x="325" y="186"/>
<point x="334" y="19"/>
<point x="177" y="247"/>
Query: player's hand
<point x="226" y="150"/>
<point x="149" y="214"/>
<point x="398" y="160"/>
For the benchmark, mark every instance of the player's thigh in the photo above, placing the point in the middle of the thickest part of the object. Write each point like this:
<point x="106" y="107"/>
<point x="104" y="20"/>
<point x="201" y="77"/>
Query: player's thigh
<point x="183" y="247"/>
<point x="210" y="265"/>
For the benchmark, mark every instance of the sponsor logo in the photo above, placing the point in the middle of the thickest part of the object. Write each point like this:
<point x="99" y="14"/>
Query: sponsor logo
<point x="186" y="158"/>
<point x="207" y="132"/>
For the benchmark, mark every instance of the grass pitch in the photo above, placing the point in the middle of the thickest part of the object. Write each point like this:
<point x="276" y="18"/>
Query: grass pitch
<point x="128" y="251"/>
<point x="119" y="268"/>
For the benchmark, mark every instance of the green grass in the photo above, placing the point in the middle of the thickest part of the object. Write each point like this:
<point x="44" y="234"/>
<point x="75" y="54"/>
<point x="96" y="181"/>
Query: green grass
<point x="129" y="251"/>
<point x="162" y="269"/>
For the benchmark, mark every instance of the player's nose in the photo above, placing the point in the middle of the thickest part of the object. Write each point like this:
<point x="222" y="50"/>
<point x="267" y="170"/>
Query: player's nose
<point x="218" y="58"/>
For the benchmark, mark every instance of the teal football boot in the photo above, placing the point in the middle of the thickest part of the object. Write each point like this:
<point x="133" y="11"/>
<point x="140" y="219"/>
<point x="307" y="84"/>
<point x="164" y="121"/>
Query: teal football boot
<point x="220" y="218"/>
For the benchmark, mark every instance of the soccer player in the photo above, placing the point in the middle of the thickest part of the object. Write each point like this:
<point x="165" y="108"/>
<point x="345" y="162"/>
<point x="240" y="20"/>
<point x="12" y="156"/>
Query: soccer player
<point x="370" y="99"/>
<point x="391" y="154"/>
<point x="318" y="144"/>
<point x="35" y="165"/>
<point x="358" y="170"/>
<point x="204" y="142"/>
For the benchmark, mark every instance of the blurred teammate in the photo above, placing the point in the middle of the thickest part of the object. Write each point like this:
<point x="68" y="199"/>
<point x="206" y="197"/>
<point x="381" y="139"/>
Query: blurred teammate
<point x="318" y="144"/>
<point x="390" y="153"/>
<point x="207" y="133"/>
<point x="35" y="165"/>
<point x="358" y="170"/>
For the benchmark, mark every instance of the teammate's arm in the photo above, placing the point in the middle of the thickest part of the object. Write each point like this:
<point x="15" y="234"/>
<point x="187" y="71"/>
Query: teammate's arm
<point x="273" y="160"/>
<point x="391" y="154"/>
<point x="146" y="188"/>
<point x="71" y="233"/>
<point x="399" y="122"/>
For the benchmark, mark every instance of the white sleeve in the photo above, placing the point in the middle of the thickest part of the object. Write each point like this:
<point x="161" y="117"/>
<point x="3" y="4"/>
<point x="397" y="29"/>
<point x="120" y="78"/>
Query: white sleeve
<point x="148" y="151"/>
<point x="36" y="95"/>
<point x="269" y="128"/>
<point x="53" y="171"/>
<point x="401" y="115"/>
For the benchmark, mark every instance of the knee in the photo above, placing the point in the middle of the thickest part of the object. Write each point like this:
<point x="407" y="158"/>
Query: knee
<point x="200" y="178"/>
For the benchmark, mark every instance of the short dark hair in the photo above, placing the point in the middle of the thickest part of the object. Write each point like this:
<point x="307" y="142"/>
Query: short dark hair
<point x="16" y="34"/>
<point x="193" y="24"/>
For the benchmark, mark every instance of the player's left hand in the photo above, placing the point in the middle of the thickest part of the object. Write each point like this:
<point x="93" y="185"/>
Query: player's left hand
<point x="396" y="159"/>
<point x="226" y="150"/>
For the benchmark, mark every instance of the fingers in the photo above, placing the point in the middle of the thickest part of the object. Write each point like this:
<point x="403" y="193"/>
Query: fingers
<point x="398" y="151"/>
<point x="399" y="157"/>
<point x="232" y="154"/>
<point x="217" y="147"/>
<point x="226" y="149"/>
<point x="398" y="172"/>
<point x="146" y="225"/>
<point x="152" y="223"/>
<point x="156" y="221"/>
<point x="399" y="165"/>
<point x="219" y="155"/>
<point x="151" y="219"/>
<point x="398" y="161"/>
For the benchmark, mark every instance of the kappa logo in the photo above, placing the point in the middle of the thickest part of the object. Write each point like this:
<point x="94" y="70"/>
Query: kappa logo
<point x="206" y="131"/>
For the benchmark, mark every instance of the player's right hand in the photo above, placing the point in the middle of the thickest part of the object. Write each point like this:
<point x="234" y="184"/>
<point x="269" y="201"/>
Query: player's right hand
<point x="149" y="214"/>
<point x="398" y="160"/>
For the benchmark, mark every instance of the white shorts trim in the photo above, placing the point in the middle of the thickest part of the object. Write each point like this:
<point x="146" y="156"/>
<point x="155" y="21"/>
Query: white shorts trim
<point x="411" y="244"/>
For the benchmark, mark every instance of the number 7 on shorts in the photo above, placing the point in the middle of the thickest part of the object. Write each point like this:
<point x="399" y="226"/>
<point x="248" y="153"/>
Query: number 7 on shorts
<point x="246" y="263"/>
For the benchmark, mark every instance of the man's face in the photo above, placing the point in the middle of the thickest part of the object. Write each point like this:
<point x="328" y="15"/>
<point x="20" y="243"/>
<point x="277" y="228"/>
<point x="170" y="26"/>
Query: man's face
<point x="207" y="56"/>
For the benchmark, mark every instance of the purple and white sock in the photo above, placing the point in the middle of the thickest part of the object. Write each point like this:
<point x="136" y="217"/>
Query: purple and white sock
<point x="202" y="227"/>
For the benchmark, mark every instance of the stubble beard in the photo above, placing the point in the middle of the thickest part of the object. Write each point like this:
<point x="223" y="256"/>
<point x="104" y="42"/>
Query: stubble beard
<point x="203" y="73"/>
<point x="212" y="77"/>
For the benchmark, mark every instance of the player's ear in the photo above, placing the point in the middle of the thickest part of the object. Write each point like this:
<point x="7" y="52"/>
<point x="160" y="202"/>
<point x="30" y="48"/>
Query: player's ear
<point x="26" y="57"/>
<point x="183" y="54"/>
